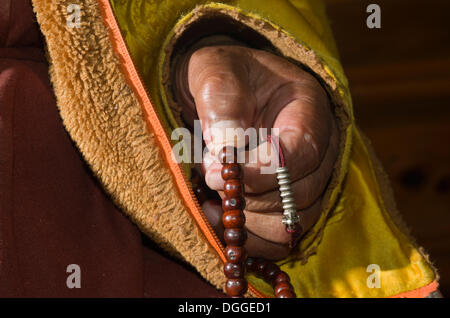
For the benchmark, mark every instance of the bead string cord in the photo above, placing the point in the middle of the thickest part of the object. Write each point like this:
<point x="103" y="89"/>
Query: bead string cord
<point x="277" y="145"/>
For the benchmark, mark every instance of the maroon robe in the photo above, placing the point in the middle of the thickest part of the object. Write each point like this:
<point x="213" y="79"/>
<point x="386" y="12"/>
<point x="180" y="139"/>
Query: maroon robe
<point x="53" y="212"/>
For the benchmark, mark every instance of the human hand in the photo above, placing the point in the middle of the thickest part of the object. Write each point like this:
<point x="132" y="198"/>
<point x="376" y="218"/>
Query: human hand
<point x="238" y="87"/>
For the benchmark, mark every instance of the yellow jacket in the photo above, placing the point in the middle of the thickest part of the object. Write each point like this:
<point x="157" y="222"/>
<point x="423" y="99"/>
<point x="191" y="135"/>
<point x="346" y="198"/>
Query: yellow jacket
<point x="111" y="80"/>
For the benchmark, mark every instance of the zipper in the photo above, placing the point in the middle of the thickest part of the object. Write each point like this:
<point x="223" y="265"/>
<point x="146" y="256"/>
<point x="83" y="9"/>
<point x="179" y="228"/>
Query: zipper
<point x="183" y="185"/>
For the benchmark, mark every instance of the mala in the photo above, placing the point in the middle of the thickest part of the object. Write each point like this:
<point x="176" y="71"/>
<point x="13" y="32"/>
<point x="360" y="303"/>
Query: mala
<point x="235" y="234"/>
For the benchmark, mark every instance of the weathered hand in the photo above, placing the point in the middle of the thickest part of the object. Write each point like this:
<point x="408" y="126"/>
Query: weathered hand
<point x="239" y="87"/>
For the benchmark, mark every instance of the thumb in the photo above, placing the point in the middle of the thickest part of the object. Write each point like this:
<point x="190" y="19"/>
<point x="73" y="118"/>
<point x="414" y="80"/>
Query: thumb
<point x="219" y="83"/>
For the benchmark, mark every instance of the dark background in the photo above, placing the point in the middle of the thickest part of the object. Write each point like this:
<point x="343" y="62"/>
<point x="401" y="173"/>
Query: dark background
<point x="400" y="82"/>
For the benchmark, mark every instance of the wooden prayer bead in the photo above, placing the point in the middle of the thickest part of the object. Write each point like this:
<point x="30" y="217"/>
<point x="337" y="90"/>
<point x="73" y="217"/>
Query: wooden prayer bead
<point x="231" y="171"/>
<point x="228" y="154"/>
<point x="233" y="219"/>
<point x="282" y="286"/>
<point x="281" y="277"/>
<point x="236" y="203"/>
<point x="285" y="294"/>
<point x="234" y="270"/>
<point x="235" y="254"/>
<point x="236" y="287"/>
<point x="260" y="266"/>
<point x="251" y="264"/>
<point x="270" y="272"/>
<point x="233" y="188"/>
<point x="235" y="237"/>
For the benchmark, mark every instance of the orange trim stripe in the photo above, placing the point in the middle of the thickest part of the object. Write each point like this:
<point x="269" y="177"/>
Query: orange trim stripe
<point x="155" y="124"/>
<point x="420" y="292"/>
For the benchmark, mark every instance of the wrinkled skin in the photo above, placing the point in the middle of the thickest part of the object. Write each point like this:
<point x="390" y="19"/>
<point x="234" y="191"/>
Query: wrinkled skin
<point x="236" y="86"/>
